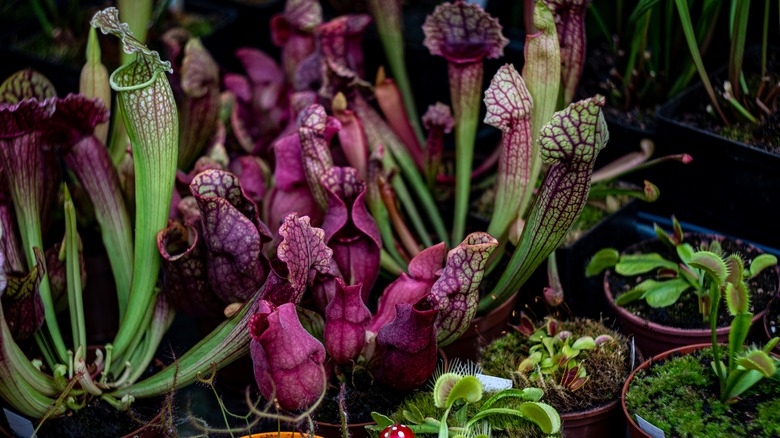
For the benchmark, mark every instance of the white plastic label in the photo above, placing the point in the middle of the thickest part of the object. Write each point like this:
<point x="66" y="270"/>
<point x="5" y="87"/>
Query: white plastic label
<point x="649" y="428"/>
<point x="493" y="384"/>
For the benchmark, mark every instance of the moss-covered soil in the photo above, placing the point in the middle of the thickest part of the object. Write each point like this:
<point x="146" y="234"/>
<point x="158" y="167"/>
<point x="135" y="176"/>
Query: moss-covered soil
<point x="607" y="367"/>
<point x="680" y="396"/>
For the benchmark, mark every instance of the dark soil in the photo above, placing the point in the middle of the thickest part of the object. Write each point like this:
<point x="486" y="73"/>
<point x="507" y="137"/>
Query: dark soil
<point x="765" y="135"/>
<point x="772" y="320"/>
<point x="600" y="77"/>
<point x="607" y="367"/>
<point x="362" y="397"/>
<point x="680" y="395"/>
<point x="684" y="313"/>
<point x="99" y="419"/>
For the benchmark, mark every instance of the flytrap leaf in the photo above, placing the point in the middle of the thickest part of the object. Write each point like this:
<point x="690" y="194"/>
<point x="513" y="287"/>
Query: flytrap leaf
<point x="764" y="261"/>
<point x="712" y="264"/>
<point x="635" y="264"/>
<point x="603" y="259"/>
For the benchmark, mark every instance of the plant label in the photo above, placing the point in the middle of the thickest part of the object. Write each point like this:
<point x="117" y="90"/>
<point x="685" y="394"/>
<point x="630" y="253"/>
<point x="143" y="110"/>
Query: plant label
<point x="493" y="384"/>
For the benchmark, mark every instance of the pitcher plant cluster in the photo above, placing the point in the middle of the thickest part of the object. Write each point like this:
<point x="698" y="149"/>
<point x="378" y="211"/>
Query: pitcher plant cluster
<point x="273" y="200"/>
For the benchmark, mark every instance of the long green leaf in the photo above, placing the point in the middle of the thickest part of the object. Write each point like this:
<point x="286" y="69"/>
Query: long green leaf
<point x="641" y="8"/>
<point x="635" y="264"/>
<point x="527" y="394"/>
<point x="690" y="38"/>
<point x="73" y="275"/>
<point x="666" y="293"/>
<point x="737" y="49"/>
<point x="739" y="381"/>
<point x="738" y="332"/>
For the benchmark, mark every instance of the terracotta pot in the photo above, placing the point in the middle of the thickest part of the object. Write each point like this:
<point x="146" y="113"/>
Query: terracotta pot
<point x="330" y="430"/>
<point x="633" y="429"/>
<point x="771" y="330"/>
<point x="280" y="435"/>
<point x="603" y="421"/>
<point x="482" y="330"/>
<point x="653" y="338"/>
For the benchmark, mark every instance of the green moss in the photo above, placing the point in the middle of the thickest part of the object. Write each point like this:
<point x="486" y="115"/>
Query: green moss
<point x="421" y="403"/>
<point x="607" y="367"/>
<point x="680" y="397"/>
<point x="740" y="133"/>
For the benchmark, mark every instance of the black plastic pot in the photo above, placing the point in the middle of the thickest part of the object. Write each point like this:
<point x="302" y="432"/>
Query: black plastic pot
<point x="585" y="294"/>
<point x="729" y="186"/>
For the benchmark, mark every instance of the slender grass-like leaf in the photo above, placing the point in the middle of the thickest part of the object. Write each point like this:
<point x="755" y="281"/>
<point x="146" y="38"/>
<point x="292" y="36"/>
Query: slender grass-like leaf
<point x="737" y="49"/>
<point x="690" y="38"/>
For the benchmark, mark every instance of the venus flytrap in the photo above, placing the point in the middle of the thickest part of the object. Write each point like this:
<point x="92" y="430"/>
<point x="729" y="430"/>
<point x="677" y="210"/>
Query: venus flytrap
<point x="671" y="278"/>
<point x="556" y="354"/>
<point x="724" y="276"/>
<point x="465" y="408"/>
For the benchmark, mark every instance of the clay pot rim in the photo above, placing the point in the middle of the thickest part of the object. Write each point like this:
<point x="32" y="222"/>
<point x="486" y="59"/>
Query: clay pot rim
<point x="686" y="349"/>
<point x="281" y="434"/>
<point x="576" y="415"/>
<point x="765" y="319"/>
<point x="671" y="330"/>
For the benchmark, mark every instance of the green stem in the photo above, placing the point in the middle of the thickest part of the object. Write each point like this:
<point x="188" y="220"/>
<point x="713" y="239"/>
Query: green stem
<point x="228" y="342"/>
<point x="163" y="316"/>
<point x="378" y="133"/>
<point x="602" y="26"/>
<point x="764" y="38"/>
<point x="30" y="229"/>
<point x="741" y="109"/>
<point x="117" y="141"/>
<point x="138" y="15"/>
<point x="379" y="212"/>
<point x="389" y="22"/>
<point x="715" y="301"/>
<point x="73" y="275"/>
<point x="737" y="52"/>
<point x="465" y="92"/>
<point x="389" y="264"/>
<point x="43" y="20"/>
<point x="411" y="210"/>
